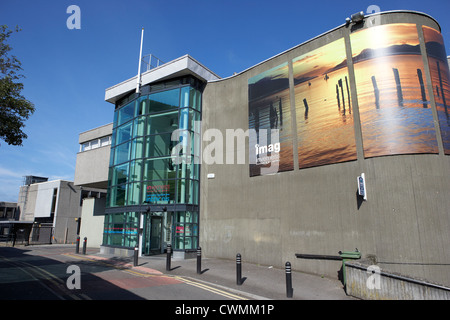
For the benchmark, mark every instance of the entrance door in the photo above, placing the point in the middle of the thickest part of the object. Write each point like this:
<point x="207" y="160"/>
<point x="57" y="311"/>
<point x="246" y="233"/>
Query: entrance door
<point x="153" y="235"/>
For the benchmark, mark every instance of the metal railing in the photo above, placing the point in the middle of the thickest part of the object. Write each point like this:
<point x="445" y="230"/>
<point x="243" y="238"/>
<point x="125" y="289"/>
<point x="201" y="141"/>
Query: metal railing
<point x="150" y="62"/>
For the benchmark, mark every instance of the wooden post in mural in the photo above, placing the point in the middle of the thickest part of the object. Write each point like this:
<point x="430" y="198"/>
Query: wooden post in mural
<point x="342" y="93"/>
<point x="348" y="96"/>
<point x="337" y="97"/>
<point x="399" y="87"/>
<point x="442" y="89"/>
<point x="376" y="92"/>
<point x="422" y="88"/>
<point x="306" y="108"/>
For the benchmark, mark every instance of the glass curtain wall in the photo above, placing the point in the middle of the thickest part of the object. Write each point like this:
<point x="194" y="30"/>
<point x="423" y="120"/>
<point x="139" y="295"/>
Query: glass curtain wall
<point x="142" y="170"/>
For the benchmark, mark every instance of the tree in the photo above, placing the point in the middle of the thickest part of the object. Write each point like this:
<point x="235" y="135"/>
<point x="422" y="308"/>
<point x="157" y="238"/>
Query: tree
<point x="14" y="108"/>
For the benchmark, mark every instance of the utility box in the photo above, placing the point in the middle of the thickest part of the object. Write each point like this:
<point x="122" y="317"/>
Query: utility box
<point x="348" y="255"/>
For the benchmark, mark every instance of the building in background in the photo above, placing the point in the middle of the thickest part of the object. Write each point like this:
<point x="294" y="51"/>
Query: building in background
<point x="9" y="214"/>
<point x="9" y="211"/>
<point x="52" y="207"/>
<point x="91" y="176"/>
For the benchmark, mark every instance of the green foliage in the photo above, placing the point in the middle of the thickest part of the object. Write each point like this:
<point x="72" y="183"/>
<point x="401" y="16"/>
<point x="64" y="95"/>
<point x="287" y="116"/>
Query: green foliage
<point x="14" y="108"/>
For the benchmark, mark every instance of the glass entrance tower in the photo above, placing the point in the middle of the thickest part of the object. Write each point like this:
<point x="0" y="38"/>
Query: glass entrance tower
<point x="153" y="186"/>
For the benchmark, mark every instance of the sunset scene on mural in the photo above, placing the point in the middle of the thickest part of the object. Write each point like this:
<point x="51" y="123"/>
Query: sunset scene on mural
<point x="394" y="104"/>
<point x="440" y="78"/>
<point x="270" y="108"/>
<point x="323" y="106"/>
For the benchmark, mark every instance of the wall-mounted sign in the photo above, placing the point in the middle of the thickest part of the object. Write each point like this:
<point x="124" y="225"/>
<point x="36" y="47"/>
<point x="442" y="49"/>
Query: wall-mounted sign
<point x="362" y="192"/>
<point x="157" y="194"/>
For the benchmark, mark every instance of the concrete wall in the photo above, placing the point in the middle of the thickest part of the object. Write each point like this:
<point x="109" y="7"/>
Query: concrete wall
<point x="91" y="225"/>
<point x="369" y="282"/>
<point x="68" y="208"/>
<point x="268" y="219"/>
<point x="27" y="202"/>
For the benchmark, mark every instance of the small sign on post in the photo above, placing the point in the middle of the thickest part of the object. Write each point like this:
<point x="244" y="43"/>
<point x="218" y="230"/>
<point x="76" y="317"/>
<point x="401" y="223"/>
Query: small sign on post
<point x="362" y="186"/>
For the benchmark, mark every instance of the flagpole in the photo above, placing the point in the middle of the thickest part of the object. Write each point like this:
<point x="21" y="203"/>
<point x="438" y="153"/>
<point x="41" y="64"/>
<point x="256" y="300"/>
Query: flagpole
<point x="138" y="82"/>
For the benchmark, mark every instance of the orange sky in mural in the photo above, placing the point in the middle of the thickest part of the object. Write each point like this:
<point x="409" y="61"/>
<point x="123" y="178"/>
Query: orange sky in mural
<point x="318" y="61"/>
<point x="384" y="36"/>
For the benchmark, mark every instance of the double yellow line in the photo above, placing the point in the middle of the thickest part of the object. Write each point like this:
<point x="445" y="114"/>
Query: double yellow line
<point x="39" y="274"/>
<point x="179" y="278"/>
<point x="210" y="288"/>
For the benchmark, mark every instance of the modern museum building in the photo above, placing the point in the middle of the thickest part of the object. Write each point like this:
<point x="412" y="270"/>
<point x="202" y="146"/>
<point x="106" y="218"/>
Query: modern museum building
<point x="341" y="142"/>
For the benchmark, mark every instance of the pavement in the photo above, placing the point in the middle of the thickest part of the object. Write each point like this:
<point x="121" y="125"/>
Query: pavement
<point x="259" y="282"/>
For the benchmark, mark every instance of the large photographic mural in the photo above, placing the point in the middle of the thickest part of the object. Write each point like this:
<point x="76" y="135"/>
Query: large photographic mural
<point x="270" y="141"/>
<point x="394" y="104"/>
<point x="325" y="128"/>
<point x="440" y="78"/>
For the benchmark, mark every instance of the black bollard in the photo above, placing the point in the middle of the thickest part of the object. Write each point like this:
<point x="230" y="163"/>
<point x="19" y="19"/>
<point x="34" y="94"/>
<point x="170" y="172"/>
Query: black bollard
<point x="169" y="253"/>
<point x="136" y="254"/>
<point x="199" y="260"/>
<point x="289" y="289"/>
<point x="84" y="245"/>
<point x="238" y="269"/>
<point x="77" y="248"/>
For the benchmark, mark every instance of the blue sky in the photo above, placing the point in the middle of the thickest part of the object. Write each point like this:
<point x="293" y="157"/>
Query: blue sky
<point x="67" y="71"/>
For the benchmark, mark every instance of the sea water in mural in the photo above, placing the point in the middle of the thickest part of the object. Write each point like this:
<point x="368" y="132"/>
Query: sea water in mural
<point x="394" y="105"/>
<point x="270" y="140"/>
<point x="323" y="106"/>
<point x="440" y="78"/>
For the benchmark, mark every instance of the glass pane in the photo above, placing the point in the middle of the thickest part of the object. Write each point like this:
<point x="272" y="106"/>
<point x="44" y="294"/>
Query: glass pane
<point x="178" y="242"/>
<point x="184" y="119"/>
<point x="138" y="148"/>
<point x="136" y="170"/>
<point x="188" y="169"/>
<point x="162" y="122"/>
<point x="139" y="127"/>
<point x="105" y="141"/>
<point x="120" y="174"/>
<point x="142" y="105"/>
<point x="159" y="169"/>
<point x="113" y="137"/>
<point x="195" y="99"/>
<point x="116" y="117"/>
<point x="134" y="190"/>
<point x="162" y="101"/>
<point x="179" y="216"/>
<point x="118" y="195"/>
<point x="125" y="113"/>
<point x="194" y="216"/>
<point x="160" y="192"/>
<point x="111" y="156"/>
<point x="159" y="145"/>
<point x="122" y="153"/>
<point x="123" y="133"/>
<point x="183" y="186"/>
<point x="184" y="97"/>
<point x="195" y="118"/>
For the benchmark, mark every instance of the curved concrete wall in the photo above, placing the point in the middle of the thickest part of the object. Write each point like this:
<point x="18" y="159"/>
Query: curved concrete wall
<point x="316" y="210"/>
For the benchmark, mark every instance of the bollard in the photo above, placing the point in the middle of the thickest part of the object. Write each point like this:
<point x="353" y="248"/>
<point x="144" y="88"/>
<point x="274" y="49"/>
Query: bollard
<point x="238" y="270"/>
<point x="136" y="253"/>
<point x="84" y="245"/>
<point x="169" y="253"/>
<point x="289" y="289"/>
<point x="199" y="260"/>
<point x="77" y="248"/>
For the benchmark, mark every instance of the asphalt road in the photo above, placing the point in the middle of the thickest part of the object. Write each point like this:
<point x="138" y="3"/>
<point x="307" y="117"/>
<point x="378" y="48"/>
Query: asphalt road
<point x="53" y="273"/>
